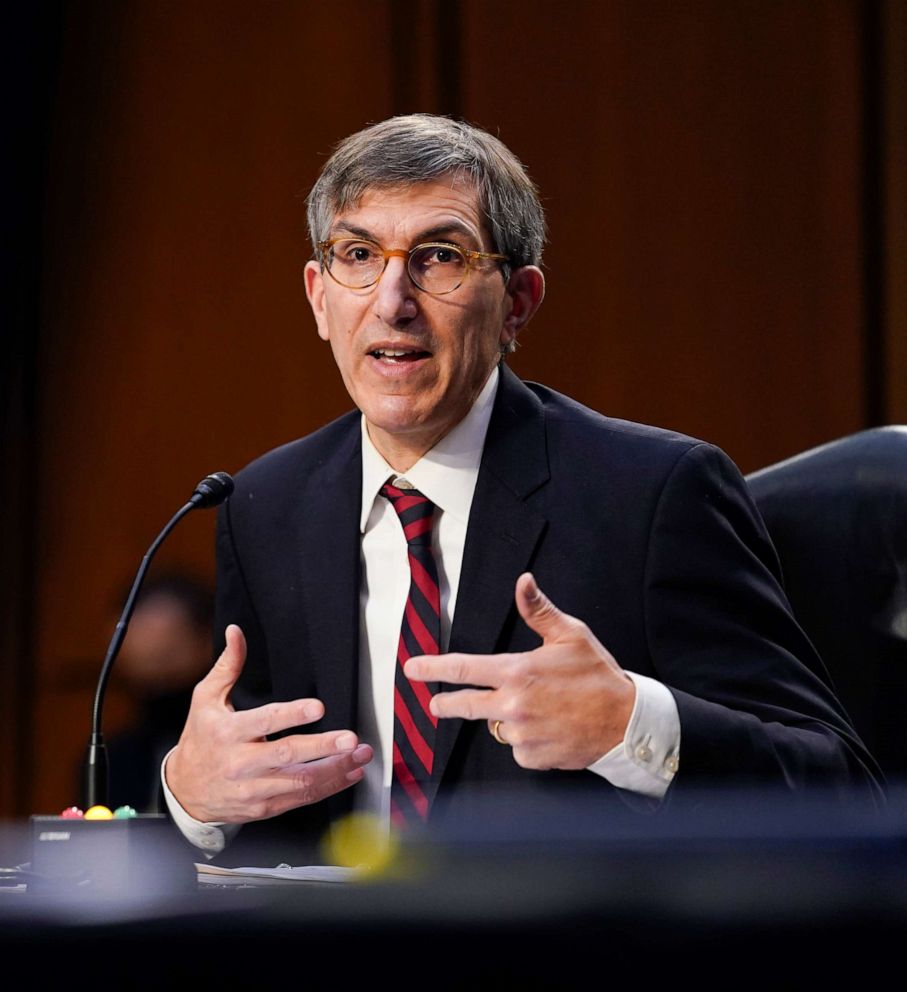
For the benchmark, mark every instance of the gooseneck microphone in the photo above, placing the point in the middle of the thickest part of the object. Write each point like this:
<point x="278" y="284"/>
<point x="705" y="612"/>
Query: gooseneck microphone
<point x="213" y="490"/>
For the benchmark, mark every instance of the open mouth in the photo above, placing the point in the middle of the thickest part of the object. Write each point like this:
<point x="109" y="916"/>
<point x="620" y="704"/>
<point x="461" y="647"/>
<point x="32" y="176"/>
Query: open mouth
<point x="399" y="355"/>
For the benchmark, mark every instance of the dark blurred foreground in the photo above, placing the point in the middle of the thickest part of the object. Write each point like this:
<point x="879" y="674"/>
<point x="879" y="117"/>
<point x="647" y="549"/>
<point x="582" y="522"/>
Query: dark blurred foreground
<point x="739" y="889"/>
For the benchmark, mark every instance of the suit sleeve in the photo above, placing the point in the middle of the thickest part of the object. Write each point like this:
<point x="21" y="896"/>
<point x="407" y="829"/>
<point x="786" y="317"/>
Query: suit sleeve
<point x="753" y="697"/>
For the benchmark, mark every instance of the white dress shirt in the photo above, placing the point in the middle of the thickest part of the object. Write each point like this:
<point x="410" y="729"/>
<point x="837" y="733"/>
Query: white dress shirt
<point x="643" y="763"/>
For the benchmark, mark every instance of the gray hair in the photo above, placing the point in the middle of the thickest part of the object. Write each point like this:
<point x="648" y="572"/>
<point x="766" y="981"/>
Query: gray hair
<point x="418" y="148"/>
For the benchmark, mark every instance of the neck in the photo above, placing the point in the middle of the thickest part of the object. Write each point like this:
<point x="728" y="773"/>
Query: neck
<point x="402" y="450"/>
<point x="401" y="453"/>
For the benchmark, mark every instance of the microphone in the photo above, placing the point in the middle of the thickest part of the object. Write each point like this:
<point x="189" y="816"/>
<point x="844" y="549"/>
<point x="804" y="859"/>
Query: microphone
<point x="213" y="490"/>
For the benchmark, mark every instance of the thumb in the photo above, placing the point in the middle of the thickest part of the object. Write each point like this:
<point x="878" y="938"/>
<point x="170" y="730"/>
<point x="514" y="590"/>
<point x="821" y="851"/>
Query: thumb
<point x="539" y="613"/>
<point x="219" y="682"/>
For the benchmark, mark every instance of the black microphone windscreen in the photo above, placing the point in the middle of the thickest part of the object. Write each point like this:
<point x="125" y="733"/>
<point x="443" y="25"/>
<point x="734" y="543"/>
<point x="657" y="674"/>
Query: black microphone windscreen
<point x="212" y="490"/>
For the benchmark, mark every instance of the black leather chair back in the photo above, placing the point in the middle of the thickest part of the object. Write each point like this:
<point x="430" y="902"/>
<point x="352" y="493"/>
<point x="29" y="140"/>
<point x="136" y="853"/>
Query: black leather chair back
<point x="838" y="517"/>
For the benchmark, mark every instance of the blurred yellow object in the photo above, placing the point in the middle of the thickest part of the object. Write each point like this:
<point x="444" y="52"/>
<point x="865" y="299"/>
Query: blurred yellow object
<point x="98" y="813"/>
<point x="361" y="841"/>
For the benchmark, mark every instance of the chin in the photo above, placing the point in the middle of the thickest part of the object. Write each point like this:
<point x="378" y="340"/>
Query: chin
<point x="395" y="417"/>
<point x="399" y="428"/>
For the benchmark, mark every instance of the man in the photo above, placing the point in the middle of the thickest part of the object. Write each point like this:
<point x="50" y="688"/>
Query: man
<point x="604" y="595"/>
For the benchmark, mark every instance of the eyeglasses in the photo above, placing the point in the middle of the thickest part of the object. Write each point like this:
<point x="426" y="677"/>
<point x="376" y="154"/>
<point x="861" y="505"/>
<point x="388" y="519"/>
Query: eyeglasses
<point x="435" y="268"/>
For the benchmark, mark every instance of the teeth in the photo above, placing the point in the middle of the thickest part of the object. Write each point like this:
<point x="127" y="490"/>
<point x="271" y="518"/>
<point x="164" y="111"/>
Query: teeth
<point x="394" y="352"/>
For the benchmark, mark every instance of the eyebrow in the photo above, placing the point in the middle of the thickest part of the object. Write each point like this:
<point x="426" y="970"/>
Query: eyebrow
<point x="436" y="233"/>
<point x="359" y="232"/>
<point x="440" y="231"/>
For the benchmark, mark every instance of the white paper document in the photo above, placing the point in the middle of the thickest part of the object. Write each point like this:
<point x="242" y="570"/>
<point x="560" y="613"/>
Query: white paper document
<point x="281" y="875"/>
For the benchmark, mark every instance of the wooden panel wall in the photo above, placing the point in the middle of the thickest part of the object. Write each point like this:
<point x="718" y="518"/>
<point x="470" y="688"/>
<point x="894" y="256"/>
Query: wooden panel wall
<point x="894" y="206"/>
<point x="177" y="340"/>
<point x="701" y="168"/>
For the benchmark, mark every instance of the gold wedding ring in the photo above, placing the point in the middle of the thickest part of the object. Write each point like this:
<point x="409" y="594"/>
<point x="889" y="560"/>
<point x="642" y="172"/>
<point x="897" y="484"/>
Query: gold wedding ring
<point x="496" y="732"/>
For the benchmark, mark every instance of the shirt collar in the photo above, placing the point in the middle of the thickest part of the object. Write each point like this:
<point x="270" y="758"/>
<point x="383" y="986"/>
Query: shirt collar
<point x="447" y="473"/>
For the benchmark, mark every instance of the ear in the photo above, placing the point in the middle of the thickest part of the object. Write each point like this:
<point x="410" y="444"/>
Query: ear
<point x="526" y="289"/>
<point x="314" y="290"/>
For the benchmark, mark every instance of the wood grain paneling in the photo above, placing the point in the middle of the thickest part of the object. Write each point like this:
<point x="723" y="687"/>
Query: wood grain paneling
<point x="700" y="165"/>
<point x="894" y="205"/>
<point x="177" y="334"/>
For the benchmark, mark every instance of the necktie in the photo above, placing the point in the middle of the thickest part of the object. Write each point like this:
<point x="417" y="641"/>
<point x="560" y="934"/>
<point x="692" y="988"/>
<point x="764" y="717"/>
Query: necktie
<point x="420" y="633"/>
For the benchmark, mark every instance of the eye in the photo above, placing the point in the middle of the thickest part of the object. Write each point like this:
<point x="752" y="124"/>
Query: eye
<point x="355" y="252"/>
<point x="428" y="256"/>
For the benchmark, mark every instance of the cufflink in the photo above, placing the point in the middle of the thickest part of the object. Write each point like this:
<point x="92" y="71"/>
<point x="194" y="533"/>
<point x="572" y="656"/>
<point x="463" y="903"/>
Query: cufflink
<point x="643" y="751"/>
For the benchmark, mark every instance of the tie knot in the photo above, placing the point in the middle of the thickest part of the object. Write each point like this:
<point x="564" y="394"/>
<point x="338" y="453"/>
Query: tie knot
<point x="415" y="512"/>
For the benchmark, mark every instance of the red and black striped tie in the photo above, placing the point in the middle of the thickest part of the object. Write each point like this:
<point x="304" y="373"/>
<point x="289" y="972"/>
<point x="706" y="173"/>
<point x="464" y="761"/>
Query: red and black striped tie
<point x="420" y="633"/>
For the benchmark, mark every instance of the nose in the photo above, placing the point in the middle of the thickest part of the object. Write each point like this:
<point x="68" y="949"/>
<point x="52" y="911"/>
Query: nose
<point x="395" y="295"/>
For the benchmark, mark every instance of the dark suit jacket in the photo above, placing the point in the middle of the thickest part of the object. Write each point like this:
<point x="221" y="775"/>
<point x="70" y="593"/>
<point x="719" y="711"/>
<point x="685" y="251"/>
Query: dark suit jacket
<point x="648" y="536"/>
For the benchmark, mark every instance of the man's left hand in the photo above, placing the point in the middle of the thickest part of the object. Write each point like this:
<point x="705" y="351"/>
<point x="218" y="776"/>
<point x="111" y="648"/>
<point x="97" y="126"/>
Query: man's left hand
<point x="563" y="705"/>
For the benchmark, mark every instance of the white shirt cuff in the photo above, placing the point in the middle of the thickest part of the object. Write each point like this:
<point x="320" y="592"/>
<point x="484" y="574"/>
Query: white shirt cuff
<point x="209" y="838"/>
<point x="648" y="757"/>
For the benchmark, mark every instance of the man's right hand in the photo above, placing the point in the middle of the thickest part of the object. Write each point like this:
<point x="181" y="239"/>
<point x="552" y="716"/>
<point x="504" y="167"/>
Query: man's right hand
<point x="225" y="770"/>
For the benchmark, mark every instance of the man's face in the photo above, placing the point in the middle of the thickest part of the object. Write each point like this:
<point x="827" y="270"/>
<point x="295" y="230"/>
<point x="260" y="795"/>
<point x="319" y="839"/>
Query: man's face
<point x="412" y="362"/>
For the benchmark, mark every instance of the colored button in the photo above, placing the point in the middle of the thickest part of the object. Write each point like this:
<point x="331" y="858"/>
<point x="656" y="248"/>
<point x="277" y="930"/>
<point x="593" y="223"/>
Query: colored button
<point x="98" y="813"/>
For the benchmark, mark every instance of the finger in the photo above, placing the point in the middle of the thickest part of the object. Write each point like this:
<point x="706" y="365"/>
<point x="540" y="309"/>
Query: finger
<point x="362" y="755"/>
<point x="252" y="725"/>
<point x="539" y="613"/>
<point x="279" y="791"/>
<point x="263" y="757"/>
<point x="467" y="704"/>
<point x="218" y="683"/>
<point x="317" y="780"/>
<point x="460" y="669"/>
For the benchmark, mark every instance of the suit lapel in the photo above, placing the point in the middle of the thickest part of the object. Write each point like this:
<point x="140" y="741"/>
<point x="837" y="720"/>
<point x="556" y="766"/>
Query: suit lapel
<point x="329" y="563"/>
<point x="502" y="535"/>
